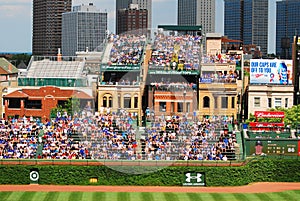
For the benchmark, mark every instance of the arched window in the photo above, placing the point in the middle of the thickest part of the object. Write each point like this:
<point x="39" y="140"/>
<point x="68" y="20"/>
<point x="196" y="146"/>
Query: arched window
<point x="107" y="100"/>
<point x="206" y="101"/>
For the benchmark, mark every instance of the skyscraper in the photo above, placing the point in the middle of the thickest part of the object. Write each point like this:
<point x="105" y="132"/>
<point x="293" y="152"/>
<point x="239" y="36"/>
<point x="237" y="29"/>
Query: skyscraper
<point x="132" y="20"/>
<point x="287" y="26"/>
<point x="247" y="20"/>
<point x="197" y="12"/>
<point x="84" y="27"/>
<point x="233" y="16"/>
<point x="142" y="4"/>
<point x="47" y="21"/>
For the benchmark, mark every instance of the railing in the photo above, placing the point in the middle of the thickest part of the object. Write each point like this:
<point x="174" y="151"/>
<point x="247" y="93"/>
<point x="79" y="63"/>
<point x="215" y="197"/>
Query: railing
<point x="86" y="162"/>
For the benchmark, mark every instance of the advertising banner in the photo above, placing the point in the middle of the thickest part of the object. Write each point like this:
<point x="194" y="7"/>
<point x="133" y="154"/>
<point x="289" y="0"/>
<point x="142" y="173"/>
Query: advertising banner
<point x="271" y="71"/>
<point x="265" y="126"/>
<point x="269" y="114"/>
<point x="194" y="179"/>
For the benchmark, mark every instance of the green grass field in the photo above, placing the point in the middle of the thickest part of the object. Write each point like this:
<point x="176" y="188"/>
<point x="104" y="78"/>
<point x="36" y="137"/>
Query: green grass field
<point x="105" y="196"/>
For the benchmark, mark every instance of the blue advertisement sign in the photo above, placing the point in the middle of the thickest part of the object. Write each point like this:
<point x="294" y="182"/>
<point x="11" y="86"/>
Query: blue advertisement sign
<point x="267" y="71"/>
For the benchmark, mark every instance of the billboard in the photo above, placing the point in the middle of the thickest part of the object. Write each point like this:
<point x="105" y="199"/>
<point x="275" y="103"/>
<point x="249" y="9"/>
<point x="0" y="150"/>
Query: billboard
<point x="269" y="114"/>
<point x="271" y="71"/>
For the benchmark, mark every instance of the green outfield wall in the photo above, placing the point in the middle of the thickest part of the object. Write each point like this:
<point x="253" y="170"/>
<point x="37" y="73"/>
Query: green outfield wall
<point x="260" y="169"/>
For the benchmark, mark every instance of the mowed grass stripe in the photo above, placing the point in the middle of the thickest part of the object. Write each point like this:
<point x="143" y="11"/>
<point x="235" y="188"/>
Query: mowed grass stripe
<point x="15" y="196"/>
<point x="263" y="197"/>
<point x="27" y="196"/>
<point x="171" y="196"/>
<point x="75" y="196"/>
<point x="123" y="196"/>
<point x="98" y="196"/>
<point x="194" y="196"/>
<point x="146" y="196"/>
<point x="240" y="196"/>
<point x="51" y="196"/>
<point x="218" y="196"/>
<point x="5" y="195"/>
<point x="63" y="196"/>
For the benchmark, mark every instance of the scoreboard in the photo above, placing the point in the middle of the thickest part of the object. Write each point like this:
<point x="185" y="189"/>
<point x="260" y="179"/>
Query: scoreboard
<point x="271" y="147"/>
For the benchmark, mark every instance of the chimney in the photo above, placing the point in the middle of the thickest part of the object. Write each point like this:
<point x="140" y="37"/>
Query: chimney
<point x="58" y="55"/>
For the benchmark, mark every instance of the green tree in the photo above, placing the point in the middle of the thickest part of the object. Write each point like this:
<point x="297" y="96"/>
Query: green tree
<point x="291" y="117"/>
<point x="18" y="58"/>
<point x="71" y="106"/>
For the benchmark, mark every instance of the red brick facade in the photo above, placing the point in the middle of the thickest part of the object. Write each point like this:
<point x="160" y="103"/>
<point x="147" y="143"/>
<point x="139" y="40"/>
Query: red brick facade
<point x="45" y="98"/>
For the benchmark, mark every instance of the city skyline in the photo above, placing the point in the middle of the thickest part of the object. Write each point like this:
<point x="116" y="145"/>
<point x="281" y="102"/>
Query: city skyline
<point x="16" y="16"/>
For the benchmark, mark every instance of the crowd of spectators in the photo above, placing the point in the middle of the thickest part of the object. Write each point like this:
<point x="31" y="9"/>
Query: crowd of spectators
<point x="112" y="135"/>
<point x="177" y="138"/>
<point x="219" y="77"/>
<point x="173" y="86"/>
<point x="221" y="58"/>
<point x="127" y="49"/>
<point x="174" y="52"/>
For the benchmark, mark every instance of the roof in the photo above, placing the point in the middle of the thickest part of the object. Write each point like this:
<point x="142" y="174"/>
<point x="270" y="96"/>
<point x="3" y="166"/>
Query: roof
<point x="48" y="91"/>
<point x="227" y="40"/>
<point x="7" y="67"/>
<point x="16" y="94"/>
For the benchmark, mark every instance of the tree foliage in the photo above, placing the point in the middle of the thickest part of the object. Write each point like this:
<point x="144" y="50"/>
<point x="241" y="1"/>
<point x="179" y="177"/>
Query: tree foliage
<point x="292" y="116"/>
<point x="72" y="106"/>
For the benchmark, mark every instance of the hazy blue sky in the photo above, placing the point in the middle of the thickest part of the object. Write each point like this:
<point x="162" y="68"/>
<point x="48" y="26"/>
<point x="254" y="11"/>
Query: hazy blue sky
<point x="16" y="20"/>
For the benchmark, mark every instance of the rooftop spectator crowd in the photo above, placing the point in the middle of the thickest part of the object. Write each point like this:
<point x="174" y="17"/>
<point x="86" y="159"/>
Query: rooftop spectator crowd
<point x="221" y="58"/>
<point x="173" y="86"/>
<point x="172" y="52"/>
<point x="112" y="135"/>
<point x="127" y="49"/>
<point x="219" y="77"/>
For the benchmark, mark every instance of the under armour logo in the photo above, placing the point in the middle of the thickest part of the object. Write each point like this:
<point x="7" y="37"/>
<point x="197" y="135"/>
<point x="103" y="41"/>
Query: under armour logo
<point x="189" y="177"/>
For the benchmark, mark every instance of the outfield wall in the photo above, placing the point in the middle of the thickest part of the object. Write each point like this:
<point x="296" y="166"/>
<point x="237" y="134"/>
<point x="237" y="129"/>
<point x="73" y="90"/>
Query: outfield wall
<point x="257" y="170"/>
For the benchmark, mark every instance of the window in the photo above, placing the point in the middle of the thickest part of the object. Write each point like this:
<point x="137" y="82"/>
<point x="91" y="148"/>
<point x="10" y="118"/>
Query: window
<point x="216" y="102"/>
<point x="224" y="103"/>
<point x="206" y="102"/>
<point x="127" y="102"/>
<point x="179" y="107"/>
<point x="233" y="102"/>
<point x="107" y="100"/>
<point x="270" y="102"/>
<point x="286" y="102"/>
<point x="104" y="103"/>
<point x="277" y="102"/>
<point x="34" y="104"/>
<point x="188" y="107"/>
<point x="256" y="101"/>
<point x="14" y="103"/>
<point x="136" y="100"/>
<point x="162" y="106"/>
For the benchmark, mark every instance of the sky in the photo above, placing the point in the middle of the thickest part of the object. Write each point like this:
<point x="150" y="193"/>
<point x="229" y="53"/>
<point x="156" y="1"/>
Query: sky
<point x="16" y="20"/>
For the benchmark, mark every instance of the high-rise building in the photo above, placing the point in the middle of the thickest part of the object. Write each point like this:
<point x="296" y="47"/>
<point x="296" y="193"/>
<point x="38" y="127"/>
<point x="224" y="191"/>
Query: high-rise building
<point x="247" y="20"/>
<point x="133" y="20"/>
<point x="142" y="4"/>
<point x="233" y="17"/>
<point x="84" y="27"/>
<point x="197" y="12"/>
<point x="287" y="26"/>
<point x="46" y="29"/>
